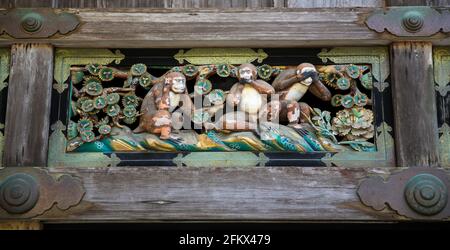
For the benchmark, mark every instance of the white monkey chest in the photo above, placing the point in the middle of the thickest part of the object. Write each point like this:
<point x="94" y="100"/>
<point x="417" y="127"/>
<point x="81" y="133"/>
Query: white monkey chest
<point x="251" y="100"/>
<point x="296" y="92"/>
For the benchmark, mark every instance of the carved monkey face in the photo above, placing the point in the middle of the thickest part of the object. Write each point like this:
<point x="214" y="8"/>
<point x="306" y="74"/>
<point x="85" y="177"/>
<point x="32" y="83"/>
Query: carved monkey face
<point x="246" y="73"/>
<point x="178" y="84"/>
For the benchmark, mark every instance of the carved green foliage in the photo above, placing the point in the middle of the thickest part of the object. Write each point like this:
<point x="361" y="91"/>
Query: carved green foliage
<point x="441" y="60"/>
<point x="57" y="156"/>
<point x="220" y="56"/>
<point x="4" y="66"/>
<point x="383" y="157"/>
<point x="221" y="159"/>
<point x="65" y="58"/>
<point x="378" y="57"/>
<point x="444" y="145"/>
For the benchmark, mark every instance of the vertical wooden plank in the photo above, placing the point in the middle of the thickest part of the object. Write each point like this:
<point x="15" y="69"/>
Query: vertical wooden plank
<point x="414" y="100"/>
<point x="28" y="108"/>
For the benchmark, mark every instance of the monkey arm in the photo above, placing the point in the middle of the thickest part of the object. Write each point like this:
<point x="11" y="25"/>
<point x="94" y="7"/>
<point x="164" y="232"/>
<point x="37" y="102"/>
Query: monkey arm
<point x="263" y="87"/>
<point x="285" y="79"/>
<point x="318" y="89"/>
<point x="234" y="97"/>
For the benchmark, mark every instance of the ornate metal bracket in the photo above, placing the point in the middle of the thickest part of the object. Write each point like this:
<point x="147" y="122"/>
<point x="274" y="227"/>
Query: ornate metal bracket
<point x="29" y="192"/>
<point x="417" y="193"/>
<point x="410" y="21"/>
<point x="36" y="23"/>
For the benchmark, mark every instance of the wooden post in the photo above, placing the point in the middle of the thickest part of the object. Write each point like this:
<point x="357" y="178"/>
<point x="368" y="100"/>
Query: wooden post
<point x="415" y="120"/>
<point x="28" y="108"/>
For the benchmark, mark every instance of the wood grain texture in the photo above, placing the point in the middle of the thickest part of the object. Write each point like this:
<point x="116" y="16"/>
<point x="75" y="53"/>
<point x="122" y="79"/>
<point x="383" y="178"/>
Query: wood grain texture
<point x="334" y="3"/>
<point x="142" y="3"/>
<point x="28" y="109"/>
<point x="189" y="193"/>
<point x="435" y="3"/>
<point x="144" y="28"/>
<point x="414" y="104"/>
<point x="20" y="225"/>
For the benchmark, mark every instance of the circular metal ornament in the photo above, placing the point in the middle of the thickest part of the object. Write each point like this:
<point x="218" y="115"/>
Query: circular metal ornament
<point x="202" y="86"/>
<point x="366" y="80"/>
<point x="31" y="22"/>
<point x="352" y="71"/>
<point x="100" y="102"/>
<point x="93" y="69"/>
<point x="343" y="83"/>
<point x="130" y="99"/>
<point x="336" y="100"/>
<point x="113" y="110"/>
<point x="426" y="194"/>
<point x="87" y="136"/>
<point x="200" y="117"/>
<point x="347" y="101"/>
<point x="412" y="21"/>
<point x="129" y="111"/>
<point x="129" y="120"/>
<point x="80" y="101"/>
<point x="138" y="69"/>
<point x="360" y="99"/>
<point x="84" y="124"/>
<point x="145" y="80"/>
<point x="190" y="70"/>
<point x="216" y="96"/>
<point x="104" y="129"/>
<point x="223" y="70"/>
<point x="265" y="71"/>
<point x="112" y="98"/>
<point x="106" y="74"/>
<point x="77" y="77"/>
<point x="88" y="106"/>
<point x="19" y="193"/>
<point x="94" y="88"/>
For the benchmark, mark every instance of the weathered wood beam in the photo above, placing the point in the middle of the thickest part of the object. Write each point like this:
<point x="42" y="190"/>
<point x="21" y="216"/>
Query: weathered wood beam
<point x="20" y="225"/>
<point x="185" y="28"/>
<point x="28" y="109"/>
<point x="196" y="193"/>
<point x="418" y="3"/>
<point x="414" y="99"/>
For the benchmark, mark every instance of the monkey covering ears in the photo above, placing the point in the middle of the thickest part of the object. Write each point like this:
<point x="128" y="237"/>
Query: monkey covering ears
<point x="292" y="84"/>
<point x="160" y="101"/>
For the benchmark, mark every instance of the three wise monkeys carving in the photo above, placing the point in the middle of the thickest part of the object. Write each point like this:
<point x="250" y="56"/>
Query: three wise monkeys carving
<point x="249" y="101"/>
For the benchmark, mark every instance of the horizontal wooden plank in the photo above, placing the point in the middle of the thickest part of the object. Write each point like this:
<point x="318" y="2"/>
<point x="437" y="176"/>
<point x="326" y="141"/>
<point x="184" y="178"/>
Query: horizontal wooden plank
<point x="164" y="28"/>
<point x="185" y="193"/>
<point x="144" y="3"/>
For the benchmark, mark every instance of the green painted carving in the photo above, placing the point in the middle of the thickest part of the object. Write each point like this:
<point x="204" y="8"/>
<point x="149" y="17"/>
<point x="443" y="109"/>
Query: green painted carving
<point x="220" y="56"/>
<point x="221" y="159"/>
<point x="4" y="67"/>
<point x="65" y="58"/>
<point x="383" y="157"/>
<point x="57" y="156"/>
<point x="378" y="57"/>
<point x="441" y="60"/>
<point x="444" y="145"/>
